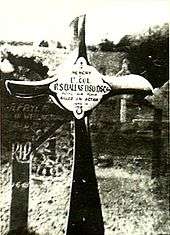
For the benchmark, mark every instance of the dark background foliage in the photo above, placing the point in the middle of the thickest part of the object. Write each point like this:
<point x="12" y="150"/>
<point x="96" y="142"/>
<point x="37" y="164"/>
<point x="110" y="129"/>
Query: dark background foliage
<point x="148" y="53"/>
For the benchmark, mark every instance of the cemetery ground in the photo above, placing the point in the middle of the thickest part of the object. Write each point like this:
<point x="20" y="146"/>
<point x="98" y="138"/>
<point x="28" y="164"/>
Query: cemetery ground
<point x="132" y="202"/>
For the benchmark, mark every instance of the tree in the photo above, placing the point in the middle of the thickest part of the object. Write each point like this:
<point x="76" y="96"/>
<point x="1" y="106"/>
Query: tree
<point x="149" y="54"/>
<point x="124" y="43"/>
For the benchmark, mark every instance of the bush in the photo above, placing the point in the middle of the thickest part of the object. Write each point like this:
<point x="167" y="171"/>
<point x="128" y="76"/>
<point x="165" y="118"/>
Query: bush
<point x="106" y="45"/>
<point x="59" y="45"/>
<point x="92" y="48"/>
<point x="43" y="44"/>
<point x="148" y="54"/>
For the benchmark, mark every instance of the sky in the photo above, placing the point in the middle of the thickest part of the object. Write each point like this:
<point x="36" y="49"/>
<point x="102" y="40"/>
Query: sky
<point x="34" y="20"/>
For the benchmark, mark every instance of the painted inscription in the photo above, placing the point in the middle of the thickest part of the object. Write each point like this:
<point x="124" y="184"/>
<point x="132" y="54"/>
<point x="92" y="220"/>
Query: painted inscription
<point x="28" y="117"/>
<point x="20" y="185"/>
<point x="21" y="152"/>
<point x="81" y="90"/>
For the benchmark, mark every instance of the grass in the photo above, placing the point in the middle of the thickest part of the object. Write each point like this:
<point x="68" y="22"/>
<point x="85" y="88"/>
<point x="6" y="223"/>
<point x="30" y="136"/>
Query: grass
<point x="129" y="203"/>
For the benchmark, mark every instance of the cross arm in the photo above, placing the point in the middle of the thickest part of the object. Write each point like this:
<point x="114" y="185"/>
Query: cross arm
<point x="128" y="84"/>
<point x="30" y="89"/>
<point x="25" y="89"/>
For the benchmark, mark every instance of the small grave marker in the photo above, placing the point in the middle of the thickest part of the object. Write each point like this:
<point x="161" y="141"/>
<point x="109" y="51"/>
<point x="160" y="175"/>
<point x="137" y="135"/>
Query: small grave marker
<point x="20" y="185"/>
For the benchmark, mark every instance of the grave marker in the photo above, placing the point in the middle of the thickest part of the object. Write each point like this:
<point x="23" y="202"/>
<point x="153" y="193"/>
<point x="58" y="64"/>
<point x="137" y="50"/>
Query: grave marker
<point x="79" y="89"/>
<point x="20" y="185"/>
<point x="24" y="118"/>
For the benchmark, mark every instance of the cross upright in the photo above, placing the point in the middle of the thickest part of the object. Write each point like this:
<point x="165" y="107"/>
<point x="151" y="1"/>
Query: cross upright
<point x="79" y="87"/>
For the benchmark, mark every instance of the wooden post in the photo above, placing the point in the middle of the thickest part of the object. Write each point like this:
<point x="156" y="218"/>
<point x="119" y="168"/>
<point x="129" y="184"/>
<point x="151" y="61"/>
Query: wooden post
<point x="123" y="109"/>
<point x="156" y="156"/>
<point x="20" y="187"/>
<point x="123" y="106"/>
<point x="85" y="216"/>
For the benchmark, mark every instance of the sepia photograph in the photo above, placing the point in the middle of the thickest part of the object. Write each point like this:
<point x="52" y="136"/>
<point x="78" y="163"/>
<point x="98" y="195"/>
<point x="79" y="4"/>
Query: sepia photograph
<point x="84" y="117"/>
